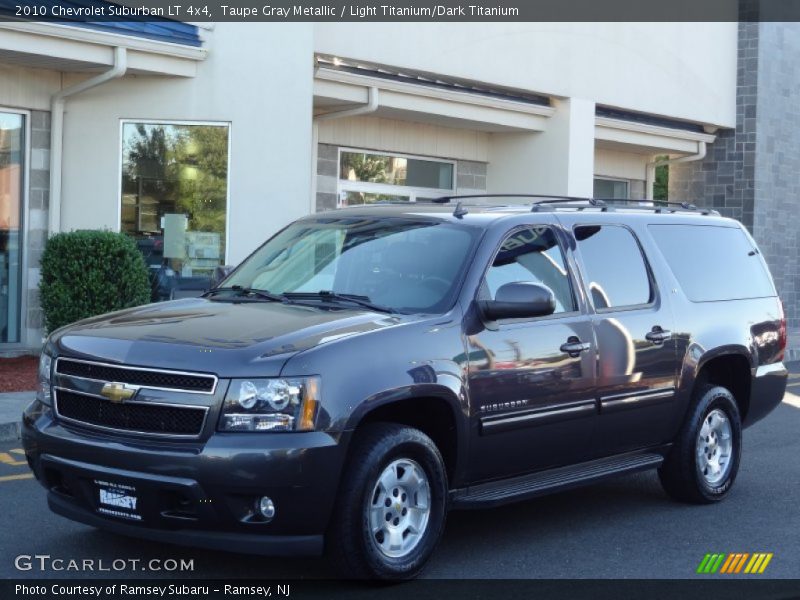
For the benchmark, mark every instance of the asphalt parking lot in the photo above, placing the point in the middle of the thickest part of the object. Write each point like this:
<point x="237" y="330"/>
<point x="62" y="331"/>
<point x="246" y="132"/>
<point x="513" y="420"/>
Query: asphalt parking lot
<point x="626" y="528"/>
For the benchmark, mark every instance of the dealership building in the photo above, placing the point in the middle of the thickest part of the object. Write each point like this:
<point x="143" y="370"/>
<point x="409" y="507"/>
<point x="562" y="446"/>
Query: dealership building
<point x="203" y="140"/>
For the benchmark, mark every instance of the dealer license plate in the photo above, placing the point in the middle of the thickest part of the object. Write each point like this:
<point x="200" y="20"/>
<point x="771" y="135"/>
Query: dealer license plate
<point x="117" y="500"/>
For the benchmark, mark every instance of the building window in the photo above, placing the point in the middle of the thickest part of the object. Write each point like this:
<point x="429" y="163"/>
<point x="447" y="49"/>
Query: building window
<point x="12" y="154"/>
<point x="367" y="177"/>
<point x="616" y="189"/>
<point x="174" y="201"/>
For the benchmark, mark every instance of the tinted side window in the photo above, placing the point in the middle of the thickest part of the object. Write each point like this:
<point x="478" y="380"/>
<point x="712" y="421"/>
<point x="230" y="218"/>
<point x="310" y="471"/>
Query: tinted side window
<point x="532" y="255"/>
<point x="713" y="263"/>
<point x="616" y="274"/>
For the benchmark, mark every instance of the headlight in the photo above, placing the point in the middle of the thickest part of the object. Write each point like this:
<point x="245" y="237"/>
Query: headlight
<point x="45" y="369"/>
<point x="271" y="404"/>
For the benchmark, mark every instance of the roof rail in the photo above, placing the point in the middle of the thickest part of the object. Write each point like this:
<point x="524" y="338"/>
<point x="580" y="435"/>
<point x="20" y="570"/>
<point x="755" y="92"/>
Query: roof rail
<point x="604" y="204"/>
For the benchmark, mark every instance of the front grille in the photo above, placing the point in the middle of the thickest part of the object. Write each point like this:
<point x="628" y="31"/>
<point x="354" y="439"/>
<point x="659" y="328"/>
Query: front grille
<point x="136" y="376"/>
<point x="131" y="416"/>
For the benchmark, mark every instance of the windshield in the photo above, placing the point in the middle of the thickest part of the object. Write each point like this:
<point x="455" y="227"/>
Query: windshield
<point x="403" y="264"/>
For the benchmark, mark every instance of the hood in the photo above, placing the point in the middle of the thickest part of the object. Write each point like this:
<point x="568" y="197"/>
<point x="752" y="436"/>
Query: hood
<point x="230" y="339"/>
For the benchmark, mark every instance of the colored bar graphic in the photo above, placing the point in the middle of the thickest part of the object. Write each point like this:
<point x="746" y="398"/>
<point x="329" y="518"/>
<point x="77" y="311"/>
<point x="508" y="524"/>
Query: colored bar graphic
<point x="734" y="563"/>
<point x="767" y="558"/>
<point x="729" y="563"/>
<point x="702" y="567"/>
<point x="716" y="564"/>
<point x="741" y="562"/>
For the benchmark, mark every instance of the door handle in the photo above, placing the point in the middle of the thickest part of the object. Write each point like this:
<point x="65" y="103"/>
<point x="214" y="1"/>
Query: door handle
<point x="574" y="346"/>
<point x="658" y="335"/>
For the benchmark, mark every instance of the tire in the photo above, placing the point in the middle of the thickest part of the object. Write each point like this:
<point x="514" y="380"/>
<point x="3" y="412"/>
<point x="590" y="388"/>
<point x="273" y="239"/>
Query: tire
<point x="401" y="458"/>
<point x="688" y="474"/>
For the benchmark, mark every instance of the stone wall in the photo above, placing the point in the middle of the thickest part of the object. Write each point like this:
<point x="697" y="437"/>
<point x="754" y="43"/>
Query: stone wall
<point x="725" y="179"/>
<point x="776" y="224"/>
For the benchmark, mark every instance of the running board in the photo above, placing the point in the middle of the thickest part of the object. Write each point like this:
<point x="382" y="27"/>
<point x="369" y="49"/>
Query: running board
<point x="522" y="487"/>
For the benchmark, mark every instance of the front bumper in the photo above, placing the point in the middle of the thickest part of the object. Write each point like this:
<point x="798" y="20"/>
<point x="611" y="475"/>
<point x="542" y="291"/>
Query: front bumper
<point x="200" y="493"/>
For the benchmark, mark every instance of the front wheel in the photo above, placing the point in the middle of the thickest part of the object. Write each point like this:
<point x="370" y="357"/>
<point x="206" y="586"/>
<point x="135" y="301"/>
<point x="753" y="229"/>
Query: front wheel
<point x="392" y="505"/>
<point x="704" y="461"/>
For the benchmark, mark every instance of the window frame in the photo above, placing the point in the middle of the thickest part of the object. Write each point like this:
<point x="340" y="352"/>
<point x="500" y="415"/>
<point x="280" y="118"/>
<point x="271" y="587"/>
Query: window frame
<point x="24" y="224"/>
<point x="564" y="255"/>
<point x="227" y="124"/>
<point x="654" y="290"/>
<point x="627" y="183"/>
<point x="390" y="189"/>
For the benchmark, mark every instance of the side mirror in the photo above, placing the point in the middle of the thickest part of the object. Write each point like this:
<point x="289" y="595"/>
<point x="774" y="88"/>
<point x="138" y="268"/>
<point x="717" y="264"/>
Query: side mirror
<point x="519" y="300"/>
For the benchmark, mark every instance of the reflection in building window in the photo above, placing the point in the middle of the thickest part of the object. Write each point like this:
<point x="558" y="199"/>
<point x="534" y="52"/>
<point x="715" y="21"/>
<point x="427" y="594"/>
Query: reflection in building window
<point x="611" y="189"/>
<point x="174" y="201"/>
<point x="367" y="177"/>
<point x="12" y="145"/>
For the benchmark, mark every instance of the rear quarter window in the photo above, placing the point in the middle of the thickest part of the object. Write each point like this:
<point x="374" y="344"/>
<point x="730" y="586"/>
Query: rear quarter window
<point x="713" y="262"/>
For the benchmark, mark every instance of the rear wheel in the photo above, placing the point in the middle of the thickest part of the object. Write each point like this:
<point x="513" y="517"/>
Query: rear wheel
<point x="704" y="461"/>
<point x="391" y="509"/>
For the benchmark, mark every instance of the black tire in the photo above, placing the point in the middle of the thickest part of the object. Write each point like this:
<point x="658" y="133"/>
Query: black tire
<point x="350" y="543"/>
<point x="681" y="473"/>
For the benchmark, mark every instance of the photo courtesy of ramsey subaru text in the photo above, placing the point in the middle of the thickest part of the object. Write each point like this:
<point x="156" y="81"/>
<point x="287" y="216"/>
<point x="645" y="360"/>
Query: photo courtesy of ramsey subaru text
<point x="368" y="369"/>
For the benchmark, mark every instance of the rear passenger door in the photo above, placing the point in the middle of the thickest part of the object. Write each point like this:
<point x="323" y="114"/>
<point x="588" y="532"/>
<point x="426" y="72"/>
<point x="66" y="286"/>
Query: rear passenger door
<point x="633" y="326"/>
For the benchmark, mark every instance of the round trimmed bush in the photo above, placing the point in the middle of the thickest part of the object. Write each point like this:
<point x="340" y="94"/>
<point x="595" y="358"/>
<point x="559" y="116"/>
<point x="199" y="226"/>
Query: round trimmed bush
<point x="88" y="273"/>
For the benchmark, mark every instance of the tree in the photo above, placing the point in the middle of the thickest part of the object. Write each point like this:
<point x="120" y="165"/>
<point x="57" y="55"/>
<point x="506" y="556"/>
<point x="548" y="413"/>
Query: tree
<point x="661" y="182"/>
<point x="184" y="168"/>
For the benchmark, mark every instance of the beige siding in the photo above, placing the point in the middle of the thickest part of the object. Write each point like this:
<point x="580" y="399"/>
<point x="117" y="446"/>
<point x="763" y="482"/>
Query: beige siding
<point x="623" y="165"/>
<point x="27" y="88"/>
<point x="389" y="135"/>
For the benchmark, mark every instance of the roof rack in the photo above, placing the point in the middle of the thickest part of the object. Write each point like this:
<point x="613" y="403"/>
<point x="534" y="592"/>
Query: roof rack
<point x="544" y="201"/>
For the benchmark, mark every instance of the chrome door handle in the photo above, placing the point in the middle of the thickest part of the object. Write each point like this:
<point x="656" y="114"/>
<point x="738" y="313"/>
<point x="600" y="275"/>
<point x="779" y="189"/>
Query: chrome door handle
<point x="658" y="335"/>
<point x="574" y="346"/>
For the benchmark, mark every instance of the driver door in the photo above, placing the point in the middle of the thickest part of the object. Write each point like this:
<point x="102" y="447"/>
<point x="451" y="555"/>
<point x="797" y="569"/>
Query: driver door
<point x="531" y="380"/>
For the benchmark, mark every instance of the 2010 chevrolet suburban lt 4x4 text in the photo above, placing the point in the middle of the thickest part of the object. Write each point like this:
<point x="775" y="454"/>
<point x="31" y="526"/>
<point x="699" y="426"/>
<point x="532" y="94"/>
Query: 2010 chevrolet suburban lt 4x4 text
<point x="370" y="368"/>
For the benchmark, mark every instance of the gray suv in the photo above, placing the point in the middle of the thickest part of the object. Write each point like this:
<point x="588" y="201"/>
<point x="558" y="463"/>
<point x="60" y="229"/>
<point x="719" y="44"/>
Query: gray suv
<point x="368" y="369"/>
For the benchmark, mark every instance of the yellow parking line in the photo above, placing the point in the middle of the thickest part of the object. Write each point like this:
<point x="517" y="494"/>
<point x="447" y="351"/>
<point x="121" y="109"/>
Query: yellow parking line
<point x="15" y="477"/>
<point x="7" y="459"/>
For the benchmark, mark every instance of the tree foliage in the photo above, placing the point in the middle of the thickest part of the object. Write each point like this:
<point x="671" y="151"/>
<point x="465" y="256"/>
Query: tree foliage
<point x="661" y="183"/>
<point x="185" y="167"/>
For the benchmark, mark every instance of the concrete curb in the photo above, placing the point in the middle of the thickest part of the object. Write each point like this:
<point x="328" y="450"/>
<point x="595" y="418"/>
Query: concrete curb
<point x="9" y="432"/>
<point x="11" y="406"/>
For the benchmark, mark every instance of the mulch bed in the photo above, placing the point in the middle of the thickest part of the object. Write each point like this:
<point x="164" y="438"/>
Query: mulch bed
<point x="18" y="374"/>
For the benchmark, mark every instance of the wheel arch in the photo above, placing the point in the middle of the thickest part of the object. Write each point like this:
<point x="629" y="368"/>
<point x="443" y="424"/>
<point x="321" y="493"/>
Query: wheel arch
<point x="435" y="412"/>
<point x="729" y="367"/>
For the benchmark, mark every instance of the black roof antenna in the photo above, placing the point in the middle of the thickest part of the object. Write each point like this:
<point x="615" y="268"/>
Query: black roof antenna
<point x="460" y="211"/>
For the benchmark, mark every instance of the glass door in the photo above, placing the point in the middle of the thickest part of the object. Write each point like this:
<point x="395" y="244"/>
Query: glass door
<point x="12" y="144"/>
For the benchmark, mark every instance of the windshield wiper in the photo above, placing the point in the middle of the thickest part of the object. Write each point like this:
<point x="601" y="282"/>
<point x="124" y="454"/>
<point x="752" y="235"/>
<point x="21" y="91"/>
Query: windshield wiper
<point x="330" y="295"/>
<point x="246" y="291"/>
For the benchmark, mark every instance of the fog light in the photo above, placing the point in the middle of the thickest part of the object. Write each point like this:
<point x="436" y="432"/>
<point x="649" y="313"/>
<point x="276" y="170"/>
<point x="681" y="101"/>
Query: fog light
<point x="266" y="507"/>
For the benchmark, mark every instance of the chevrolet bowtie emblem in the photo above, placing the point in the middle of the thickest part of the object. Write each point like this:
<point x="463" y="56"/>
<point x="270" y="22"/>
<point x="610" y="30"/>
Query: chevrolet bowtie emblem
<point x="117" y="392"/>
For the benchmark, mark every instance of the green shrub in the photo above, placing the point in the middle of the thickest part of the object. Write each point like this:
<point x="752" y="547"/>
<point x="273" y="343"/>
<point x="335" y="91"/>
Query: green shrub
<point x="88" y="273"/>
